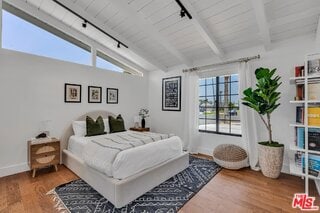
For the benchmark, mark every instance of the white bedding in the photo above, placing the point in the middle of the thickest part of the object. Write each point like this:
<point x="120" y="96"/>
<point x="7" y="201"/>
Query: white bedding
<point x="129" y="161"/>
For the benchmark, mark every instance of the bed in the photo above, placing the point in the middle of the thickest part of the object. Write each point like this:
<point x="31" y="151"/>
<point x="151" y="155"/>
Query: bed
<point x="135" y="170"/>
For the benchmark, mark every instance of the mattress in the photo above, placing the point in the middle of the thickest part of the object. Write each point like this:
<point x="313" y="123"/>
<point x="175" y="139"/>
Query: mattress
<point x="153" y="150"/>
<point x="76" y="145"/>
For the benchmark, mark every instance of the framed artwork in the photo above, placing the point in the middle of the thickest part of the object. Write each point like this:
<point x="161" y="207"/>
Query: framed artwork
<point x="72" y="93"/>
<point x="94" y="94"/>
<point x="171" y="94"/>
<point x="313" y="64"/>
<point x="112" y="96"/>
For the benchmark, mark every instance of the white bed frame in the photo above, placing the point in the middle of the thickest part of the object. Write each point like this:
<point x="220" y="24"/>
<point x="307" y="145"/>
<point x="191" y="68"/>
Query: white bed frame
<point x="121" y="192"/>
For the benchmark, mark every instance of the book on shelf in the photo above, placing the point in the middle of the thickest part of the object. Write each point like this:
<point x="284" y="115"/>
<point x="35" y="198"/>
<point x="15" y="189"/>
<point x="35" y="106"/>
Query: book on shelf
<point x="300" y="137"/>
<point x="300" y="114"/>
<point x="314" y="91"/>
<point x="314" y="116"/>
<point x="313" y="138"/>
<point x="313" y="164"/>
<point x="299" y="71"/>
<point x="299" y="92"/>
<point x="298" y="158"/>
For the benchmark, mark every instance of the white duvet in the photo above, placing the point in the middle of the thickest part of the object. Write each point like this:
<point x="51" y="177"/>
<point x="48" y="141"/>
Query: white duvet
<point x="120" y="155"/>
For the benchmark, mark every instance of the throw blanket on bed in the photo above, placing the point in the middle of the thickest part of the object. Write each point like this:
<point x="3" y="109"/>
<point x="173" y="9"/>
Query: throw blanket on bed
<point x="101" y="151"/>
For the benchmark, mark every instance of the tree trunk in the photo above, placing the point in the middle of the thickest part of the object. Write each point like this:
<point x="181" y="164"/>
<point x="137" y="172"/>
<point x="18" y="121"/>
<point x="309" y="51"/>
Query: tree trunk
<point x="269" y="128"/>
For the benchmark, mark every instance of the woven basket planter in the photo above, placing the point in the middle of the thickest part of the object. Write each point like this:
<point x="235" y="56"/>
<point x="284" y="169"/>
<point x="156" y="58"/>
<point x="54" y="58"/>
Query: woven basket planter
<point x="230" y="156"/>
<point x="270" y="160"/>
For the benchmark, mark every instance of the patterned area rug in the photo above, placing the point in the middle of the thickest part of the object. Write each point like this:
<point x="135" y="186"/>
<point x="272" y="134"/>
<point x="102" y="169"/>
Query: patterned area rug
<point x="169" y="196"/>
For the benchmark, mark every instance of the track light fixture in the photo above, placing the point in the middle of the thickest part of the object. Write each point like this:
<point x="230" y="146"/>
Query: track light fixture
<point x="183" y="12"/>
<point x="86" y="22"/>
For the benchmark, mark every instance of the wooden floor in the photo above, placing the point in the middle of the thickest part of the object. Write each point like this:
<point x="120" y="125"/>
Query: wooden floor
<point x="229" y="191"/>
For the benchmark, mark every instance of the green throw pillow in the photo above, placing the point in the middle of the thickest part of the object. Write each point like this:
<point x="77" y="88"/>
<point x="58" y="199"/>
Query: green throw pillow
<point x="95" y="127"/>
<point x="116" y="124"/>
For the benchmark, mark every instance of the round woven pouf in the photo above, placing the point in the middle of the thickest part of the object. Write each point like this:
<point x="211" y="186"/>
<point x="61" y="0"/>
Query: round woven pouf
<point x="230" y="156"/>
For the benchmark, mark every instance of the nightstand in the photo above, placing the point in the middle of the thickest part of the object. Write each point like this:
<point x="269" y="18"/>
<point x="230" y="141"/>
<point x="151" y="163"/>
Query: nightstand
<point x="140" y="129"/>
<point x="42" y="153"/>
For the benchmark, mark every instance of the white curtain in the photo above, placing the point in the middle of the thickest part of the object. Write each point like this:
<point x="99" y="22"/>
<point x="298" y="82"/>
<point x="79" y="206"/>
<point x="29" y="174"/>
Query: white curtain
<point x="191" y="111"/>
<point x="247" y="115"/>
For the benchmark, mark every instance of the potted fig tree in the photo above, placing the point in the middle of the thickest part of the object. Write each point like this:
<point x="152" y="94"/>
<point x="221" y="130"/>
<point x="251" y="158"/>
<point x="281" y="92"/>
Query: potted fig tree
<point x="264" y="100"/>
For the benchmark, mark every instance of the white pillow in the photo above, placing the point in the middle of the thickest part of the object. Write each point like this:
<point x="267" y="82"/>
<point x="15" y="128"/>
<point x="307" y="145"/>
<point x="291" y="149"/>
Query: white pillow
<point x="79" y="128"/>
<point x="106" y="125"/>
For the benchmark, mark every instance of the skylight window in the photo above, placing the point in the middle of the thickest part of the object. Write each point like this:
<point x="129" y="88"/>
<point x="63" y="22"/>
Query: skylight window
<point x="104" y="63"/>
<point x="21" y="35"/>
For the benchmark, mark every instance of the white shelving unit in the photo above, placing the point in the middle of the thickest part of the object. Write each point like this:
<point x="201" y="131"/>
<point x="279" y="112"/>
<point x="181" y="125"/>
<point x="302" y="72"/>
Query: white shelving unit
<point x="294" y="168"/>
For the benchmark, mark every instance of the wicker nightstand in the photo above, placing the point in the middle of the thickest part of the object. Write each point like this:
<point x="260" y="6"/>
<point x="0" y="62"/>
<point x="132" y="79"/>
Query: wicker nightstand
<point x="43" y="153"/>
<point x="140" y="129"/>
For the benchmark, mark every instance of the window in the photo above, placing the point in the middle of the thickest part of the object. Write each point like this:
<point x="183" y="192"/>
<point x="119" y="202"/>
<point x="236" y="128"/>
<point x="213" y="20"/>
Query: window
<point x="103" y="61"/>
<point x="38" y="38"/>
<point x="219" y="105"/>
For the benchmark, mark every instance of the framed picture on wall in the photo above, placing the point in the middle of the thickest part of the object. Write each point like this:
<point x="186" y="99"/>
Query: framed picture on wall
<point x="94" y="94"/>
<point x="72" y="93"/>
<point x="171" y="94"/>
<point x="112" y="95"/>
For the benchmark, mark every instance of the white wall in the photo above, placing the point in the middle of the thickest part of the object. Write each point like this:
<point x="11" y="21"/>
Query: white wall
<point x="32" y="90"/>
<point x="284" y="56"/>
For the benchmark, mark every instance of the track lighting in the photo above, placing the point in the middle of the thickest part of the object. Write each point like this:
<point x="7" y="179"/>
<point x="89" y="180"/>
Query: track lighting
<point x="183" y="12"/>
<point x="84" y="24"/>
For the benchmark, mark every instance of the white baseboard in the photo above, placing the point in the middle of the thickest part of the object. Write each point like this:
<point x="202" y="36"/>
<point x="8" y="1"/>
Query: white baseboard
<point x="205" y="151"/>
<point x="14" y="169"/>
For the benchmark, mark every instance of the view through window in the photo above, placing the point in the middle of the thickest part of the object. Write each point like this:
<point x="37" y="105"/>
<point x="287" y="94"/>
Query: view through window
<point x="219" y="105"/>
<point x="20" y="35"/>
<point x="23" y="36"/>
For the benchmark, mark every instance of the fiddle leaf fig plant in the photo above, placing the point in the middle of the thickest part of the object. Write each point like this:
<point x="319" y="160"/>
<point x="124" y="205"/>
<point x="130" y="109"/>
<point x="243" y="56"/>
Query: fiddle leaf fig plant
<point x="264" y="99"/>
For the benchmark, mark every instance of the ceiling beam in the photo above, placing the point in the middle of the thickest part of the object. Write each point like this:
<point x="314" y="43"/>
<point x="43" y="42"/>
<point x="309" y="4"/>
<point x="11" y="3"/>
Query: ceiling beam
<point x="202" y="28"/>
<point x="137" y="19"/>
<point x="44" y="17"/>
<point x="318" y="36"/>
<point x="97" y="22"/>
<point x="260" y="13"/>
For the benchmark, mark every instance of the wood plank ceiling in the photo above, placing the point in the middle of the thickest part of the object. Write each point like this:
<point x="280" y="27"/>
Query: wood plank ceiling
<point x="155" y="32"/>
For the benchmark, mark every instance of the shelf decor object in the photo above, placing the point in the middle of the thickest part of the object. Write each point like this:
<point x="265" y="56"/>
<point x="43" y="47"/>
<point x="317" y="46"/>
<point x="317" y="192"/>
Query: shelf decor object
<point x="305" y="149"/>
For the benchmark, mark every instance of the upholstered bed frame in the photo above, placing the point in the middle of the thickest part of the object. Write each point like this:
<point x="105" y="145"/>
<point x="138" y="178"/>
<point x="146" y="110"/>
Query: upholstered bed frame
<point x="120" y="192"/>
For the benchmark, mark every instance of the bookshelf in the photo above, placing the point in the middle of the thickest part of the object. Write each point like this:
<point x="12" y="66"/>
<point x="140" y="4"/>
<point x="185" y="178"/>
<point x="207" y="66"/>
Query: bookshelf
<point x="305" y="149"/>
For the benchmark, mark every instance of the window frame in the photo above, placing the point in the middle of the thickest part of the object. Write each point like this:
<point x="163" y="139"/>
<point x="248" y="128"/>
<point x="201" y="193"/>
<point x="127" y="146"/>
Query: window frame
<point x="216" y="97"/>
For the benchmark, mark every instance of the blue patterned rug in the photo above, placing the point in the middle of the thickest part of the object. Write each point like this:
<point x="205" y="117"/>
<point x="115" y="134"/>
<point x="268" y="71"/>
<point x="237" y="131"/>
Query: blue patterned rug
<point x="169" y="196"/>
